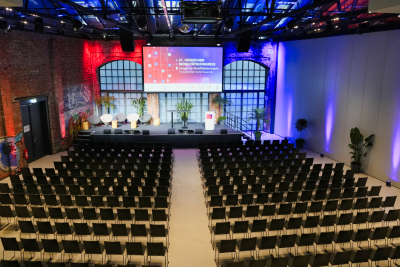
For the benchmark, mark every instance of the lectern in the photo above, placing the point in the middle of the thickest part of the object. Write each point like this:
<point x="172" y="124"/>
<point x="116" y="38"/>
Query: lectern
<point x="209" y="121"/>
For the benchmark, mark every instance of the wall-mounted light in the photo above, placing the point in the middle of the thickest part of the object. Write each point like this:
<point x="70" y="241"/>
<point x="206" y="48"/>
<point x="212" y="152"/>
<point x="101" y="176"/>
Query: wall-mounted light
<point x="322" y="155"/>
<point x="33" y="100"/>
<point x="388" y="183"/>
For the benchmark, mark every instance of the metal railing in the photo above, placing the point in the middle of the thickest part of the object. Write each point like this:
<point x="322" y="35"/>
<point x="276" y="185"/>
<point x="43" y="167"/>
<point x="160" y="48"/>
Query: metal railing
<point x="237" y="123"/>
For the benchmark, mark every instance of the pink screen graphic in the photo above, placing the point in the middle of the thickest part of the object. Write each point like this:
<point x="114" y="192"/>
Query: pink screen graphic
<point x="182" y="69"/>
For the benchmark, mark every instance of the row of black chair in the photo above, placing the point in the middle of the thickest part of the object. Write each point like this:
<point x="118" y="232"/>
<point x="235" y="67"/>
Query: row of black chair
<point x="243" y="188"/>
<point x="151" y="189"/>
<point x="252" y="154"/>
<point x="87" y="248"/>
<point x="265" y="226"/>
<point x="30" y="263"/>
<point x="121" y="145"/>
<point x="82" y="201"/>
<point x="327" y="259"/>
<point x="90" y="214"/>
<point x="97" y="229"/>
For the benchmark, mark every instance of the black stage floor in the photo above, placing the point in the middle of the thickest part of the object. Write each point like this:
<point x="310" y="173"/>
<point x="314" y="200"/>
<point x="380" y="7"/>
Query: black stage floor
<point x="160" y="134"/>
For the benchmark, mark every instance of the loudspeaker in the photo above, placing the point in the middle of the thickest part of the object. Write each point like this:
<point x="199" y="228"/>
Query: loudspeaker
<point x="127" y="41"/>
<point x="171" y="131"/>
<point x="224" y="131"/>
<point x="243" y="42"/>
<point x="145" y="132"/>
<point x="107" y="131"/>
<point x="118" y="131"/>
<point x="198" y="131"/>
<point x="39" y="26"/>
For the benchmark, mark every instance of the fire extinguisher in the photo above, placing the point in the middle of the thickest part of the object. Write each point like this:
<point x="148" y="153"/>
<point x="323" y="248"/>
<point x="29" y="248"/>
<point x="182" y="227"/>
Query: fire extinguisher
<point x="26" y="154"/>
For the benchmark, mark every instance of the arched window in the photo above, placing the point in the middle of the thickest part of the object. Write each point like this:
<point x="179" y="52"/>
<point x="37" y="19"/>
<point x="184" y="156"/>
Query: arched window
<point x="244" y="85"/>
<point x="123" y="80"/>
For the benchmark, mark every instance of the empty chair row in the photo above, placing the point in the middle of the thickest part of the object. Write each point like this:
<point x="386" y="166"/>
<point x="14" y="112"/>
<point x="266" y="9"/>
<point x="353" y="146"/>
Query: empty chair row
<point x="241" y="143"/>
<point x="120" y="145"/>
<point x="264" y="198"/>
<point x="105" y="214"/>
<point x="83" y="201"/>
<point x="269" y="154"/>
<point x="103" y="190"/>
<point x="292" y="194"/>
<point x="293" y="223"/>
<point x="301" y="208"/>
<point x="314" y="260"/>
<point x="97" y="229"/>
<point x="115" y="166"/>
<point x="280" y="177"/>
<point x="211" y="188"/>
<point x="52" y="246"/>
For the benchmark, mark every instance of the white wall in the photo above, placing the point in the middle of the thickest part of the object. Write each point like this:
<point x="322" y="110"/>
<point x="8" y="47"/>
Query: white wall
<point x="338" y="83"/>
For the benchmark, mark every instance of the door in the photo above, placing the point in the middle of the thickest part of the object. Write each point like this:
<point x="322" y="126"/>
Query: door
<point x="35" y="127"/>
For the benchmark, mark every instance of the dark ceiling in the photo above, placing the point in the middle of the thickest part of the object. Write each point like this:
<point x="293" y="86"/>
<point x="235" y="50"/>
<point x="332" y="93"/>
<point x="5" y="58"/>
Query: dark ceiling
<point x="276" y="20"/>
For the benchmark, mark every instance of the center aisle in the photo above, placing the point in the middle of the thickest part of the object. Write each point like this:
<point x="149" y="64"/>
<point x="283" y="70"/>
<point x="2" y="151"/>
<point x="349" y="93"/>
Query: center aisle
<point x="189" y="234"/>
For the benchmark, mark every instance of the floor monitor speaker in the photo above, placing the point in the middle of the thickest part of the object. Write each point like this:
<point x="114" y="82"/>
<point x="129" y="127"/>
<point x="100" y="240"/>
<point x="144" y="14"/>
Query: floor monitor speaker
<point x="145" y="132"/>
<point x="224" y="131"/>
<point x="127" y="41"/>
<point x="198" y="131"/>
<point x="243" y="42"/>
<point x="171" y="131"/>
<point x="107" y="131"/>
<point x="118" y="131"/>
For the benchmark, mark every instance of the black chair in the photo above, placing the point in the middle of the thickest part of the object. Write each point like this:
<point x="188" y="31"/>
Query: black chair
<point x="381" y="254"/>
<point x="320" y="260"/>
<point x="10" y="244"/>
<point x="6" y="263"/>
<point x="361" y="256"/>
<point x="136" y="249"/>
<point x="157" y="249"/>
<point x="113" y="248"/>
<point x="225" y="246"/>
<point x="93" y="247"/>
<point x="247" y="244"/>
<point x="305" y="240"/>
<point x="299" y="261"/>
<point x="277" y="262"/>
<point x="52" y="246"/>
<point x="31" y="245"/>
<point x="138" y="230"/>
<point x="101" y="229"/>
<point x="340" y="258"/>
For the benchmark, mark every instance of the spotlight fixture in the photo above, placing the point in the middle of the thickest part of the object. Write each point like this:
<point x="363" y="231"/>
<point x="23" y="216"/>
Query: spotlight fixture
<point x="148" y="43"/>
<point x="218" y="44"/>
<point x="141" y="22"/>
<point x="388" y="183"/>
<point x="77" y="24"/>
<point x="4" y="25"/>
<point x="329" y="27"/>
<point x="290" y="25"/>
<point x="229" y="23"/>
<point x="322" y="155"/>
<point x="363" y="28"/>
<point x="39" y="26"/>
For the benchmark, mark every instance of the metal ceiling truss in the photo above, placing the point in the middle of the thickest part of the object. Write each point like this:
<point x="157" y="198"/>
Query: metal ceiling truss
<point x="265" y="18"/>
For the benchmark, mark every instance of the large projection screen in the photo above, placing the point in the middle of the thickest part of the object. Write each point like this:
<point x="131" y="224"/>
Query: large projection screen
<point x="182" y="69"/>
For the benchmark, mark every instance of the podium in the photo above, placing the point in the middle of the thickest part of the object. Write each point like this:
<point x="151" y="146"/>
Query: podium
<point x="210" y="121"/>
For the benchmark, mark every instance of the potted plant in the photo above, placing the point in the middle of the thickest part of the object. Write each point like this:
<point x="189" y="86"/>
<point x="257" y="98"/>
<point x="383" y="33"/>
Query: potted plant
<point x="107" y="101"/>
<point x="359" y="147"/>
<point x="259" y="115"/>
<point x="184" y="105"/>
<point x="221" y="102"/>
<point x="139" y="103"/>
<point x="301" y="125"/>
<point x="221" y="120"/>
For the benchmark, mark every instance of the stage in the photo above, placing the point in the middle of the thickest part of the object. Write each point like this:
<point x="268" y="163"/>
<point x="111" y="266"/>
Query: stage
<point x="160" y="134"/>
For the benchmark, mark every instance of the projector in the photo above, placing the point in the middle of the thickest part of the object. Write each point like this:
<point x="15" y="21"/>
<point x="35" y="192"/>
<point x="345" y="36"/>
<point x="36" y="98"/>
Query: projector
<point x="201" y="12"/>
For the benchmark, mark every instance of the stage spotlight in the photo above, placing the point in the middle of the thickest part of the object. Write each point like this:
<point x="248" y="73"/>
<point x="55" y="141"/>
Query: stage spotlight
<point x="363" y="28"/>
<point x="39" y="26"/>
<point x="77" y="24"/>
<point x="229" y="23"/>
<point x="4" y="25"/>
<point x="388" y="183"/>
<point x="291" y="24"/>
<point x="141" y="22"/>
<point x="329" y="27"/>
<point x="322" y="155"/>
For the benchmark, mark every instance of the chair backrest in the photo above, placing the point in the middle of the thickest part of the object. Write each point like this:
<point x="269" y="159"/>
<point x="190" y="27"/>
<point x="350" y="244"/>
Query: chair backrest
<point x="120" y="117"/>
<point x="106" y="118"/>
<point x="133" y="117"/>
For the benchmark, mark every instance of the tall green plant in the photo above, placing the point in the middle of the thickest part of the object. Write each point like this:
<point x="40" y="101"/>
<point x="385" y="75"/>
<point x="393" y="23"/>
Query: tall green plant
<point x="139" y="103"/>
<point x="184" y="105"/>
<point x="107" y="101"/>
<point x="221" y="102"/>
<point x="359" y="145"/>
<point x="259" y="115"/>
<point x="301" y="125"/>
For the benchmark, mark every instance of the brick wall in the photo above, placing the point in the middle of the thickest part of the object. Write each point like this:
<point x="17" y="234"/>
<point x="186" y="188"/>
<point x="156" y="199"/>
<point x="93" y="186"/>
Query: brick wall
<point x="31" y="65"/>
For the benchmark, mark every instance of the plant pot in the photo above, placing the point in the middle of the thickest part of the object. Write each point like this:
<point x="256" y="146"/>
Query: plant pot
<point x="356" y="167"/>
<point x="222" y="123"/>
<point x="257" y="135"/>
<point x="300" y="143"/>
